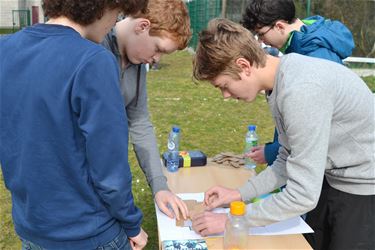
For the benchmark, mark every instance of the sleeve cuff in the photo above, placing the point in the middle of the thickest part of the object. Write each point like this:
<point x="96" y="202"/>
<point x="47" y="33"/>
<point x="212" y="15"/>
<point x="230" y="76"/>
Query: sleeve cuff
<point x="248" y="191"/>
<point x="159" y="183"/>
<point x="132" y="232"/>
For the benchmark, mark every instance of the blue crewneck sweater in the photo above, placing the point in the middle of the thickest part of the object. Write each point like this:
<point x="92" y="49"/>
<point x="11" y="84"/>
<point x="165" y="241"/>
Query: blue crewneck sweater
<point x="64" y="140"/>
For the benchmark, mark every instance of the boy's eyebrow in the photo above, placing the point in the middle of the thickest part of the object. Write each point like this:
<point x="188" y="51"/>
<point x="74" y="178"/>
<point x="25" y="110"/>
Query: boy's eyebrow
<point x="162" y="50"/>
<point x="215" y="85"/>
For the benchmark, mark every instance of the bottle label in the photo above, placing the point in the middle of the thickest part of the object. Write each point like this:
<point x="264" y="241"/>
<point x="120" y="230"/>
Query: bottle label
<point x="186" y="159"/>
<point x="171" y="145"/>
<point x="252" y="142"/>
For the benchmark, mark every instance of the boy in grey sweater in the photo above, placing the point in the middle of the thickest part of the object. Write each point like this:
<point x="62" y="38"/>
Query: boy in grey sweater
<point x="135" y="41"/>
<point x="324" y="114"/>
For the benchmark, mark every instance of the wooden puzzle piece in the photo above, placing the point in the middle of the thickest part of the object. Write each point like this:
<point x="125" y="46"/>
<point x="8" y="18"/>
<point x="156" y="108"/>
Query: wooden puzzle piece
<point x="194" y="208"/>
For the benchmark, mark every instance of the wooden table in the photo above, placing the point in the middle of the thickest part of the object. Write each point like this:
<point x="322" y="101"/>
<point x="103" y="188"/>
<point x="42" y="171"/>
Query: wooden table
<point x="199" y="179"/>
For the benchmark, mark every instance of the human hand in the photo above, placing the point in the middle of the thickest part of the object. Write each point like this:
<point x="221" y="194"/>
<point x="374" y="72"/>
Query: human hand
<point x="218" y="195"/>
<point x="165" y="197"/>
<point x="257" y="154"/>
<point x="139" y="242"/>
<point x="207" y="223"/>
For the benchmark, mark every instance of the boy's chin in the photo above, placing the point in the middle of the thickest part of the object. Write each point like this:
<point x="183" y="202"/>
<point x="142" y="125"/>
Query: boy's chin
<point x="243" y="99"/>
<point x="249" y="99"/>
<point x="134" y="60"/>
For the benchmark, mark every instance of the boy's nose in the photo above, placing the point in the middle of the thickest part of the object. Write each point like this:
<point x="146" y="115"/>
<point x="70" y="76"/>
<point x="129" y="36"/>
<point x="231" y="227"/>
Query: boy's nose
<point x="156" y="57"/>
<point x="225" y="94"/>
<point x="261" y="40"/>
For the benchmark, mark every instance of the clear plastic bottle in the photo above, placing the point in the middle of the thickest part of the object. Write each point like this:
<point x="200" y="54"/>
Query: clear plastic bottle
<point x="251" y="141"/>
<point x="236" y="229"/>
<point x="173" y="149"/>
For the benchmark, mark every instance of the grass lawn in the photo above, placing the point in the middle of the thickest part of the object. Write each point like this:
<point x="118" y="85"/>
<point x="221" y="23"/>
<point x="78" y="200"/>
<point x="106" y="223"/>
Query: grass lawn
<point x="370" y="81"/>
<point x="207" y="122"/>
<point x="7" y="30"/>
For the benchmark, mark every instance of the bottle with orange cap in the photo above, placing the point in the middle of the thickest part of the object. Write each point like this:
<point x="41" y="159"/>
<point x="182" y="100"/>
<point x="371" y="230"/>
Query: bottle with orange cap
<point x="236" y="229"/>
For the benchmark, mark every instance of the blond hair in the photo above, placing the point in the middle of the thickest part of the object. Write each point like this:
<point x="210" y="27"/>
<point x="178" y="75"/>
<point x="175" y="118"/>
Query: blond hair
<point x="220" y="45"/>
<point x="168" y="18"/>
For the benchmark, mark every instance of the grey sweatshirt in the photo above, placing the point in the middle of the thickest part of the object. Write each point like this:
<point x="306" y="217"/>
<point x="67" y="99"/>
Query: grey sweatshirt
<point x="324" y="114"/>
<point x="140" y="127"/>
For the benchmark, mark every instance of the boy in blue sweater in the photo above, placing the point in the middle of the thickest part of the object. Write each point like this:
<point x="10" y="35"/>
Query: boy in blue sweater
<point x="275" y="23"/>
<point x="64" y="131"/>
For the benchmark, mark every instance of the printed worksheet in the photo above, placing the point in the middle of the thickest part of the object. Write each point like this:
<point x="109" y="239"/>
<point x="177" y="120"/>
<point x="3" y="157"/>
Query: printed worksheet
<point x="168" y="230"/>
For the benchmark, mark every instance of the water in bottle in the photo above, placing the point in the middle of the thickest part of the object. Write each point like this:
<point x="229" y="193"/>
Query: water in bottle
<point x="236" y="229"/>
<point x="173" y="147"/>
<point x="251" y="141"/>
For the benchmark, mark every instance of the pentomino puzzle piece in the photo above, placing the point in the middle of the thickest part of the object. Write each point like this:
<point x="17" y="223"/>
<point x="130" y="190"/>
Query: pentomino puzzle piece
<point x="194" y="208"/>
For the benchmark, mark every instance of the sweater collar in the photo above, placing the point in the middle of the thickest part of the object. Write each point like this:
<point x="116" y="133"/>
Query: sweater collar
<point x="307" y="22"/>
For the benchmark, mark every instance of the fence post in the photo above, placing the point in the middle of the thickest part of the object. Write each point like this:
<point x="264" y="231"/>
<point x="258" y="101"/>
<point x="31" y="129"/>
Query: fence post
<point x="224" y="8"/>
<point x="308" y="8"/>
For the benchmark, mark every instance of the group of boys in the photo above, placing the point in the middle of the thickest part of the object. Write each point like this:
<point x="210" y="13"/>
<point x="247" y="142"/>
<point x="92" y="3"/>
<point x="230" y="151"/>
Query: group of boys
<point x="64" y="139"/>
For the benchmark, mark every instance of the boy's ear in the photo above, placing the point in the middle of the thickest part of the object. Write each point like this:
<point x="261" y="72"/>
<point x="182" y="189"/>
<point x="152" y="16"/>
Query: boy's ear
<point x="142" y="25"/>
<point x="245" y="65"/>
<point x="281" y="26"/>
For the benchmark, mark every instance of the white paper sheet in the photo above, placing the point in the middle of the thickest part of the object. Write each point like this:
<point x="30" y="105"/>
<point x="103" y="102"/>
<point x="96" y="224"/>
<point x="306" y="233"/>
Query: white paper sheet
<point x="169" y="231"/>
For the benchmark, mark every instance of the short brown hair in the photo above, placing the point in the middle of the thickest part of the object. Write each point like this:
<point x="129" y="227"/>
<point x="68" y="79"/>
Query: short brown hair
<point x="85" y="12"/>
<point x="220" y="45"/>
<point x="168" y="18"/>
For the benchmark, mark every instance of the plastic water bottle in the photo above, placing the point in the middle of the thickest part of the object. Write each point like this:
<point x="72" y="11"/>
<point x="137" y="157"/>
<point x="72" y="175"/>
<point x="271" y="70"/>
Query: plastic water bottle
<point x="236" y="229"/>
<point x="173" y="153"/>
<point x="251" y="141"/>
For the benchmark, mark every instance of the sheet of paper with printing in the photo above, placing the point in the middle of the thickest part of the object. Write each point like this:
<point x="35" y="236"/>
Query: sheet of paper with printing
<point x="168" y="230"/>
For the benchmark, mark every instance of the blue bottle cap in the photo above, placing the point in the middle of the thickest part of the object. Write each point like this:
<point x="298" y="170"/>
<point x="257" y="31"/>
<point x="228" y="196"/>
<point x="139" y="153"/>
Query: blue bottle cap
<point x="176" y="129"/>
<point x="252" y="127"/>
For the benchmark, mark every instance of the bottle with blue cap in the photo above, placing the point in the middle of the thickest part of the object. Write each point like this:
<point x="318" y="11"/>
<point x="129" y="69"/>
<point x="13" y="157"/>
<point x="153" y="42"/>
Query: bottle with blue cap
<point x="173" y="149"/>
<point x="251" y="141"/>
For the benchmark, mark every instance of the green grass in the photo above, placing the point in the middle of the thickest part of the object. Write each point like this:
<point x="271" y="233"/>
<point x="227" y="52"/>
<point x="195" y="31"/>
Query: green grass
<point x="370" y="81"/>
<point x="207" y="122"/>
<point x="8" y="30"/>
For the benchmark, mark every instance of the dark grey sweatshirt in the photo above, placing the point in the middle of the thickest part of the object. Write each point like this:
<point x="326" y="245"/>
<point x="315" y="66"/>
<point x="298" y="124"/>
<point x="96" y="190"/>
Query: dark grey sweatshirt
<point x="134" y="91"/>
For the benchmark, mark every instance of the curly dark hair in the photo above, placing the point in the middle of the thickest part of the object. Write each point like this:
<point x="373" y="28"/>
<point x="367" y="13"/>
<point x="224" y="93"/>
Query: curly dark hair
<point x="86" y="12"/>
<point x="261" y="13"/>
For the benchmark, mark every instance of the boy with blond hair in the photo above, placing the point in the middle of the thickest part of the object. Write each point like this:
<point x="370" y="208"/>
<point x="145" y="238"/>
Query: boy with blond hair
<point x="135" y="41"/>
<point x="324" y="114"/>
<point x="276" y="24"/>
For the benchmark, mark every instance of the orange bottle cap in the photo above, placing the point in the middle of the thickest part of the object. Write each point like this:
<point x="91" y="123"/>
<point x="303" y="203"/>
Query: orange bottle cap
<point x="237" y="208"/>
